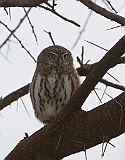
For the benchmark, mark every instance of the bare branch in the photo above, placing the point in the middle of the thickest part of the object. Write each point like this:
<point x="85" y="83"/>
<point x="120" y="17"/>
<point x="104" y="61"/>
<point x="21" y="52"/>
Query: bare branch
<point x="110" y="84"/>
<point x="14" y="96"/>
<point x="50" y="35"/>
<point x="5" y="57"/>
<point x="12" y="32"/>
<point x="25" y="107"/>
<point x="113" y="27"/>
<point x="31" y="26"/>
<point x="85" y="69"/>
<point x="21" y="3"/>
<point x="57" y="14"/>
<point x="103" y="121"/>
<point x="102" y="11"/>
<point x="19" y="42"/>
<point x="83" y="29"/>
<point x="110" y="5"/>
<point x="113" y="77"/>
<point x="96" y="45"/>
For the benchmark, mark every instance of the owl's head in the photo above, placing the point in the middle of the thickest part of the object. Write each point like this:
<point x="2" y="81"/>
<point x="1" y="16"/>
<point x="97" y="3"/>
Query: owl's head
<point x="57" y="56"/>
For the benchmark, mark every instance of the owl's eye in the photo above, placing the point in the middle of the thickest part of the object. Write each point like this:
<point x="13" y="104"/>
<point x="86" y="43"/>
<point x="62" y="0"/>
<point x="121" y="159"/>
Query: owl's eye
<point x="51" y="56"/>
<point x="66" y="56"/>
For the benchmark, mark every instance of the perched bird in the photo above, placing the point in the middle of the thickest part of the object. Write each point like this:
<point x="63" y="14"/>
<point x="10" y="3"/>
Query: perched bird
<point x="54" y="82"/>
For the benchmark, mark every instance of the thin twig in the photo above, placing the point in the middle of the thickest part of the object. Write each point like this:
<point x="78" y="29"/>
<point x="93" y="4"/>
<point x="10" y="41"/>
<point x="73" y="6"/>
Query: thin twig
<point x="12" y="32"/>
<point x="112" y="77"/>
<point x="111" y="144"/>
<point x="103" y="94"/>
<point x="103" y="146"/>
<point x="19" y="41"/>
<point x="5" y="10"/>
<point x="113" y="27"/>
<point x="82" y="54"/>
<point x="25" y="106"/>
<point x="83" y="29"/>
<point x="79" y="61"/>
<point x="111" y="6"/>
<point x="96" y="45"/>
<point x="17" y="106"/>
<point x="85" y="152"/>
<point x="97" y="96"/>
<point x="57" y="14"/>
<point x="53" y="5"/>
<point x="5" y="57"/>
<point x="9" y="13"/>
<point x="32" y="27"/>
<point x="104" y="149"/>
<point x="50" y="35"/>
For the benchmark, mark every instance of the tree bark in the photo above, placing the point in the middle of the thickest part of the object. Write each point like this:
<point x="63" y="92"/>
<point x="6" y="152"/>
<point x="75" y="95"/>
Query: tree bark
<point x="79" y="131"/>
<point x="21" y="3"/>
<point x="73" y="130"/>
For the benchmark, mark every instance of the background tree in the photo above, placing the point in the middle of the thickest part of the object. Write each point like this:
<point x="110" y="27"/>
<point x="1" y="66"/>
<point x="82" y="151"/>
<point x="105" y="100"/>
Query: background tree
<point x="70" y="23"/>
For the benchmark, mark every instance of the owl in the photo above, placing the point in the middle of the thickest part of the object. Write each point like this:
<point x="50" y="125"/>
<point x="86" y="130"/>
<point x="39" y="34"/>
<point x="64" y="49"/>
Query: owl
<point x="54" y="82"/>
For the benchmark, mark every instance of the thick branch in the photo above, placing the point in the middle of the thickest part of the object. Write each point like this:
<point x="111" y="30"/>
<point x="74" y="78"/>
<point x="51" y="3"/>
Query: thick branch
<point x="79" y="131"/>
<point x="58" y="127"/>
<point x="104" y="12"/>
<point x="21" y="3"/>
<point x="97" y="73"/>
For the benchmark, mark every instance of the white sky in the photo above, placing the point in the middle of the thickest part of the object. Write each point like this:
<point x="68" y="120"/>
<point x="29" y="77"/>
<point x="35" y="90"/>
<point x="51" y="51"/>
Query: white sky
<point x="14" y="121"/>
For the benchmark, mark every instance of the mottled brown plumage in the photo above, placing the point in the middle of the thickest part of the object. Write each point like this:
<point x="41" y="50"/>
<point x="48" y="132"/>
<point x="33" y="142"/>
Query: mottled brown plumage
<point x="55" y="80"/>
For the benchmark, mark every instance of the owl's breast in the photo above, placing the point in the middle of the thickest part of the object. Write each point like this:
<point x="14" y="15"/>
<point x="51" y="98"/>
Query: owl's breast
<point x="52" y="80"/>
<point x="52" y="92"/>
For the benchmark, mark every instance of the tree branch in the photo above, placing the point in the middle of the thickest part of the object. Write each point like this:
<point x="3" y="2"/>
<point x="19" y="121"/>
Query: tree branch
<point x="102" y="11"/>
<point x="79" y="131"/>
<point x="18" y="41"/>
<point x="21" y="3"/>
<point x="85" y="69"/>
<point x="116" y="86"/>
<point x="15" y="29"/>
<point x="59" y="15"/>
<point x="14" y="96"/>
<point x="46" y="138"/>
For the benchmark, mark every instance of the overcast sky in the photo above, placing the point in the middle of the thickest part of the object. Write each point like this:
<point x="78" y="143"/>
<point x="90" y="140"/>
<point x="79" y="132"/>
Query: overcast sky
<point x="14" y="120"/>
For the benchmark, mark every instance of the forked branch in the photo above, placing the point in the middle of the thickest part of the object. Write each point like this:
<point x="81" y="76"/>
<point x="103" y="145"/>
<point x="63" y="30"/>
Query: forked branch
<point x="94" y="124"/>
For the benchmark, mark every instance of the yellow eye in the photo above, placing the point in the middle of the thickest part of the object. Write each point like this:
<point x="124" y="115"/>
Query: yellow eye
<point x="51" y="56"/>
<point x="66" y="56"/>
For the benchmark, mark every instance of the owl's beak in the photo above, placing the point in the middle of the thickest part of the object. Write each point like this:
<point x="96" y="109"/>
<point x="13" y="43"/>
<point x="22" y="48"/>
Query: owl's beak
<point x="60" y="62"/>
